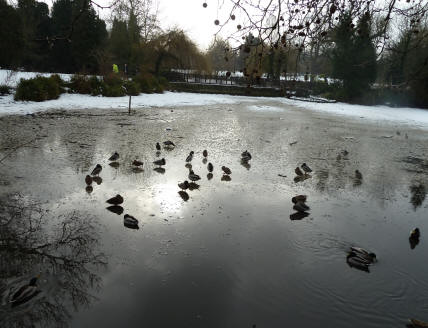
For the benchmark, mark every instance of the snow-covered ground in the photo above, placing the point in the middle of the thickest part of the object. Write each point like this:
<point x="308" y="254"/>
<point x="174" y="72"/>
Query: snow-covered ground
<point x="11" y="78"/>
<point x="77" y="101"/>
<point x="403" y="116"/>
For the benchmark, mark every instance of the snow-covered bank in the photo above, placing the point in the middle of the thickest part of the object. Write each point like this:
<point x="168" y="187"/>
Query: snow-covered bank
<point x="11" y="78"/>
<point x="77" y="101"/>
<point x="416" y="117"/>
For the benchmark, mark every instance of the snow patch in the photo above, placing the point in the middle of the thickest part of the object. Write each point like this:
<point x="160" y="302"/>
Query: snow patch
<point x="259" y="108"/>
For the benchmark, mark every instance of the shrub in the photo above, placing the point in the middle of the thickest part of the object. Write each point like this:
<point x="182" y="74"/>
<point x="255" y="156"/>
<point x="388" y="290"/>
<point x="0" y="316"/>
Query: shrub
<point x="38" y="89"/>
<point x="149" y="83"/>
<point x="132" y="88"/>
<point x="97" y="85"/>
<point x="113" y="86"/>
<point x="80" y="84"/>
<point x="5" y="89"/>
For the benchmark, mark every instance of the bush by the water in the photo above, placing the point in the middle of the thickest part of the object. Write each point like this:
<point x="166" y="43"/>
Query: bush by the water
<point x="39" y="88"/>
<point x="5" y="89"/>
<point x="83" y="84"/>
<point x="150" y="84"/>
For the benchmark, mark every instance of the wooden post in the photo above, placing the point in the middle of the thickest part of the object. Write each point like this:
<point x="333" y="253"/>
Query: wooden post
<point x="129" y="106"/>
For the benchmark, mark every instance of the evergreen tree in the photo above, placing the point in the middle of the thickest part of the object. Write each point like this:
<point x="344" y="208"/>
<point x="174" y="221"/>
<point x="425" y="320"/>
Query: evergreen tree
<point x="119" y="44"/>
<point x="354" y="56"/>
<point x="81" y="34"/>
<point x="11" y="36"/>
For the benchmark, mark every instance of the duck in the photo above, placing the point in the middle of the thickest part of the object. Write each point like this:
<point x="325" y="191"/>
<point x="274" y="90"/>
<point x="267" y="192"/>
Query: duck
<point x="88" y="180"/>
<point x="184" y="185"/>
<point x="190" y="157"/>
<point x="193" y="177"/>
<point x="184" y="195"/>
<point x="209" y="176"/>
<point x="364" y="253"/>
<point x="205" y="153"/>
<point x="357" y="257"/>
<point x="226" y="170"/>
<point x="299" y="199"/>
<point x="26" y="292"/>
<point x="246" y="156"/>
<point x="114" y="157"/>
<point x="356" y="263"/>
<point x="298" y="172"/>
<point x="358" y="175"/>
<point x="169" y="144"/>
<point x="158" y="146"/>
<point x="160" y="162"/>
<point x="89" y="189"/>
<point x="301" y="207"/>
<point x="210" y="167"/>
<point x="130" y="222"/>
<point x="226" y="177"/>
<point x="116" y="200"/>
<point x="98" y="180"/>
<point x="306" y="168"/>
<point x="97" y="170"/>
<point x="137" y="163"/>
<point x="415" y="233"/>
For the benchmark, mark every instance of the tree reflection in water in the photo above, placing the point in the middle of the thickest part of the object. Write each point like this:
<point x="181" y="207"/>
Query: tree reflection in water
<point x="64" y="250"/>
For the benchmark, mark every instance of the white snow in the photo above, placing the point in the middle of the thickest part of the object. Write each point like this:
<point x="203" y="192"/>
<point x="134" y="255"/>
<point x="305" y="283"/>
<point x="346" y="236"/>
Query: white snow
<point x="393" y="115"/>
<point x="77" y="101"/>
<point x="262" y="108"/>
<point x="12" y="78"/>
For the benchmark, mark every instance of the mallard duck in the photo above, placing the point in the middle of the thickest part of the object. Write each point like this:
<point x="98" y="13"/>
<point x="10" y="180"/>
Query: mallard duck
<point x="116" y="200"/>
<point x="88" y="180"/>
<point x="114" y="157"/>
<point x="169" y="144"/>
<point x="184" y="195"/>
<point x="298" y="172"/>
<point x="158" y="146"/>
<point x="357" y="257"/>
<point x="358" y="175"/>
<point x="115" y="209"/>
<point x="184" y="185"/>
<point x="26" y="292"/>
<point x="356" y="263"/>
<point x="364" y="253"/>
<point x="226" y="170"/>
<point x="418" y="323"/>
<point x="246" y="156"/>
<point x="97" y="170"/>
<point x="209" y="176"/>
<point x="160" y="162"/>
<point x="301" y="207"/>
<point x="190" y="157"/>
<point x="415" y="233"/>
<point x="193" y="176"/>
<point x="98" y="180"/>
<point x="137" y="163"/>
<point x="306" y="168"/>
<point x="89" y="189"/>
<point x="205" y="153"/>
<point x="130" y="222"/>
<point x="210" y="167"/>
<point x="193" y="186"/>
<point x="299" y="198"/>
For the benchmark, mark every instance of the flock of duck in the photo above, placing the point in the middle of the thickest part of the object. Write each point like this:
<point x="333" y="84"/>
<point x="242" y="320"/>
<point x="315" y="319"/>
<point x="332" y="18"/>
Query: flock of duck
<point x="357" y="257"/>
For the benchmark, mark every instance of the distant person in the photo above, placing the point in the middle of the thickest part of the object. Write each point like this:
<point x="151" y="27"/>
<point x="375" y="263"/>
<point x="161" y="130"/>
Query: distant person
<point x="115" y="69"/>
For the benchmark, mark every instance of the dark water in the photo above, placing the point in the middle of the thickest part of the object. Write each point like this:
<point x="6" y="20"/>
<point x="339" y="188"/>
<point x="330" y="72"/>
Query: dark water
<point x="230" y="256"/>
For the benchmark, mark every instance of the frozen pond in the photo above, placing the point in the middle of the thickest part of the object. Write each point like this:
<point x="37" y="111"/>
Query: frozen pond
<point x="229" y="256"/>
